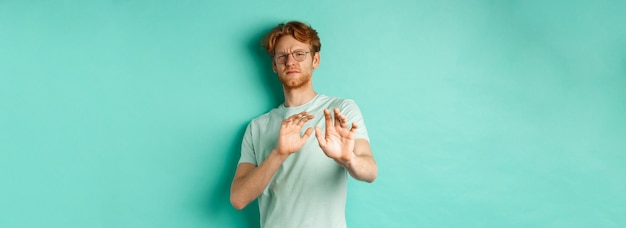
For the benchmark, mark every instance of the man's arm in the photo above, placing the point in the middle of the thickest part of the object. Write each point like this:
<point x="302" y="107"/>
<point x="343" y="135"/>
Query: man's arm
<point x="362" y="166"/>
<point x="250" y="180"/>
<point x="340" y="144"/>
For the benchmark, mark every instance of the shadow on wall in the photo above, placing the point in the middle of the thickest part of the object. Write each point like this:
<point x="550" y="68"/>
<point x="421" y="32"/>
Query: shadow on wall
<point x="263" y="63"/>
<point x="270" y="82"/>
<point x="221" y="195"/>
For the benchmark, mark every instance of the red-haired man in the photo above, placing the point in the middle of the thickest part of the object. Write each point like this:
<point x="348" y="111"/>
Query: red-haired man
<point x="300" y="181"/>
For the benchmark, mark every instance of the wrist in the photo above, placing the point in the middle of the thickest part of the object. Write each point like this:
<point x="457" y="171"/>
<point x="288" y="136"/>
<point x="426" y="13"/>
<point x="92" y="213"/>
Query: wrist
<point x="346" y="161"/>
<point x="276" y="152"/>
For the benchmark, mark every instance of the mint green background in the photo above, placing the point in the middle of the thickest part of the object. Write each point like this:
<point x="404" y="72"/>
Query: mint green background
<point x="481" y="113"/>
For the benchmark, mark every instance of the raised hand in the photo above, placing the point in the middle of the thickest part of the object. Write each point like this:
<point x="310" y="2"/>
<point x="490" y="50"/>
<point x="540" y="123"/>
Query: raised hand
<point x="289" y="139"/>
<point x="338" y="141"/>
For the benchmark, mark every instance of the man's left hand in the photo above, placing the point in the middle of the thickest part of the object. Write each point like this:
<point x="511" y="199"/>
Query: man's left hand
<point x="338" y="142"/>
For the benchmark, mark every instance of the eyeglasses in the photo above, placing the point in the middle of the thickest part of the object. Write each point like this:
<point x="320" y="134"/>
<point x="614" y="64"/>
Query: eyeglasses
<point x="297" y="55"/>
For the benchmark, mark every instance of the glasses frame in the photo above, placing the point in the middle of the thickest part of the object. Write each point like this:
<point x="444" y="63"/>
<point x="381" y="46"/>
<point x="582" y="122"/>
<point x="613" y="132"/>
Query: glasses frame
<point x="293" y="54"/>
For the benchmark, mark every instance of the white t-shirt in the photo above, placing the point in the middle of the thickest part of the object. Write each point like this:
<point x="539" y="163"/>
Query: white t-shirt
<point x="309" y="189"/>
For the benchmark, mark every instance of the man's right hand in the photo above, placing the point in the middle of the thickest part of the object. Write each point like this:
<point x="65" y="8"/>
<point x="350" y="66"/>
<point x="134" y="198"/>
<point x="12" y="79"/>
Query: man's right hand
<point x="250" y="180"/>
<point x="289" y="139"/>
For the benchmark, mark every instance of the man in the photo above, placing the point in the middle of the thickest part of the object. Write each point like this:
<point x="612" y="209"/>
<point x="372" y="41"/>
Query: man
<point x="300" y="181"/>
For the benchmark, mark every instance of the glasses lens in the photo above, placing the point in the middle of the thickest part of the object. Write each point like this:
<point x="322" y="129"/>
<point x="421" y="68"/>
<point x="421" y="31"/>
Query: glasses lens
<point x="299" y="55"/>
<point x="280" y="59"/>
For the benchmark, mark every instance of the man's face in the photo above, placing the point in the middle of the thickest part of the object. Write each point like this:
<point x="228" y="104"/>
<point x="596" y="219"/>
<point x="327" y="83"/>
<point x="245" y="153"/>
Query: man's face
<point x="291" y="72"/>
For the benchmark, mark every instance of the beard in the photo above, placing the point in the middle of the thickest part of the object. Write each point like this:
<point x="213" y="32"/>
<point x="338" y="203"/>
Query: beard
<point x="296" y="81"/>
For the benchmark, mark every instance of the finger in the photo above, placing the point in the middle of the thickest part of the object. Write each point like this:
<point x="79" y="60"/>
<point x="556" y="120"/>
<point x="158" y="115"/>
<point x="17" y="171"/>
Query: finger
<point x="286" y="122"/>
<point x="296" y="116"/>
<point x="354" y="127"/>
<point x="343" y="120"/>
<point x="307" y="133"/>
<point x="293" y="118"/>
<point x="338" y="116"/>
<point x="304" y="119"/>
<point x="328" y="119"/>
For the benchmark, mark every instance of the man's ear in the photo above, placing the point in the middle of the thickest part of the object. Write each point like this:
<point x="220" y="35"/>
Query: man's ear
<point x="316" y="60"/>
<point x="274" y="66"/>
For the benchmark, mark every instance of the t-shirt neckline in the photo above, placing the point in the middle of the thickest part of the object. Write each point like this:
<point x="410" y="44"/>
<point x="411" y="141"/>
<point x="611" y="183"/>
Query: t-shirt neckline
<point x="302" y="105"/>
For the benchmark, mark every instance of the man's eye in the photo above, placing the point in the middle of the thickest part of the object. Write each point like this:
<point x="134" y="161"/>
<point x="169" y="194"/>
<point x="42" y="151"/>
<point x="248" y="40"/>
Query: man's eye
<point x="300" y="54"/>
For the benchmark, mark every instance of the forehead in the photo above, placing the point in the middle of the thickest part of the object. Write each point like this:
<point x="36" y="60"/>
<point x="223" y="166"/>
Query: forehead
<point x="287" y="43"/>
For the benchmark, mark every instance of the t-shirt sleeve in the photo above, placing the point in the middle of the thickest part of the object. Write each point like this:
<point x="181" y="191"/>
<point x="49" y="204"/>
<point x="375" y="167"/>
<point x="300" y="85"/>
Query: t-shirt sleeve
<point x="352" y="112"/>
<point x="247" y="148"/>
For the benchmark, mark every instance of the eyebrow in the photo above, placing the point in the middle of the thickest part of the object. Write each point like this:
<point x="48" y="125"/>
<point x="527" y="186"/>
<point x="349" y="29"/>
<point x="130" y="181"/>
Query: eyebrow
<point x="297" y="50"/>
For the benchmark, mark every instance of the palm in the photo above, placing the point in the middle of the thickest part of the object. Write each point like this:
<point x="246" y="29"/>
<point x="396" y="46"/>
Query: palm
<point x="289" y="139"/>
<point x="338" y="141"/>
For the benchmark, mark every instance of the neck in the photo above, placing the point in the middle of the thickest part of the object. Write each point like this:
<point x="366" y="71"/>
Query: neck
<point x="298" y="96"/>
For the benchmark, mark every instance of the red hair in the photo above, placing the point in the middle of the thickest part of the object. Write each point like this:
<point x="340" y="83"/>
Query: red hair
<point x="300" y="31"/>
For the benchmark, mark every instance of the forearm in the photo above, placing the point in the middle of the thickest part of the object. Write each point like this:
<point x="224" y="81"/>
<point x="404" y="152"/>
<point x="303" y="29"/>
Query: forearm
<point x="248" y="187"/>
<point x="362" y="167"/>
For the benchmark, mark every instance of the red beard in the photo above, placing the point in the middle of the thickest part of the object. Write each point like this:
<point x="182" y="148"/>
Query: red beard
<point x="295" y="82"/>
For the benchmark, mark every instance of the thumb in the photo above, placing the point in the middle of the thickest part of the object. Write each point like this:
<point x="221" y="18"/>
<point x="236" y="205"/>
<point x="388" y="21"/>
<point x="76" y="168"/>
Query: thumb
<point x="307" y="133"/>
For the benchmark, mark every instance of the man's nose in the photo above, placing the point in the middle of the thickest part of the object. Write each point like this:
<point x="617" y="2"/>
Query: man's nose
<point x="290" y="60"/>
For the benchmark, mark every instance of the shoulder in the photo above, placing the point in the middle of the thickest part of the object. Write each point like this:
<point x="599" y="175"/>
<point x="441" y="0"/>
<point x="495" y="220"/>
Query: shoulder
<point x="265" y="118"/>
<point x="338" y="101"/>
<point x="344" y="104"/>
